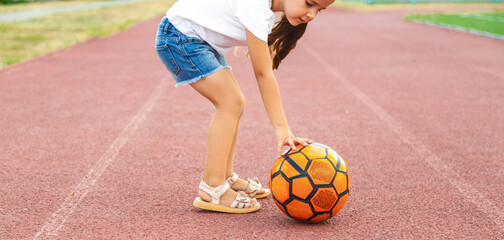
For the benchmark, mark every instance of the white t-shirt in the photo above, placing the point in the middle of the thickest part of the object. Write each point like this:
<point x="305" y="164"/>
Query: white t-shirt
<point x="222" y="23"/>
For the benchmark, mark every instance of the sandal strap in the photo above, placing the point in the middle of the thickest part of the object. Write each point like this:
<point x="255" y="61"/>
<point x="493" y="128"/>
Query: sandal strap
<point x="215" y="192"/>
<point x="231" y="180"/>
<point x="241" y="200"/>
<point x="254" y="186"/>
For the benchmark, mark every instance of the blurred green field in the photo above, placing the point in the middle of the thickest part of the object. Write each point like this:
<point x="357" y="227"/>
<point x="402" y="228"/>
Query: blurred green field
<point x="20" y="41"/>
<point x="364" y="7"/>
<point x="424" y="1"/>
<point x="39" y="5"/>
<point x="492" y="23"/>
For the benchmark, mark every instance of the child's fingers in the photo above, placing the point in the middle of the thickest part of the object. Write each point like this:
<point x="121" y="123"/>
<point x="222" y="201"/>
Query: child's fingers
<point x="302" y="141"/>
<point x="291" y="143"/>
<point x="280" y="146"/>
<point x="305" y="140"/>
<point x="287" y="142"/>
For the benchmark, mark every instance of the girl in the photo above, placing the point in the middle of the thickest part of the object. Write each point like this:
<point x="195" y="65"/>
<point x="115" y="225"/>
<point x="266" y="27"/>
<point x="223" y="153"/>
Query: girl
<point x="191" y="42"/>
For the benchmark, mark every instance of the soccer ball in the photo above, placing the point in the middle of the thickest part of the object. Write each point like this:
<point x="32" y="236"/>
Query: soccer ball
<point x="311" y="183"/>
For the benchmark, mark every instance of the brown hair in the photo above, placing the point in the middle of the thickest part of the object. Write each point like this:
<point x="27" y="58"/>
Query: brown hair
<point x="283" y="39"/>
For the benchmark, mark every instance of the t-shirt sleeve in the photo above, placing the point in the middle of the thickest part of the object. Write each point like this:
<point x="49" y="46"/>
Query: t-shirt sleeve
<point x="256" y="16"/>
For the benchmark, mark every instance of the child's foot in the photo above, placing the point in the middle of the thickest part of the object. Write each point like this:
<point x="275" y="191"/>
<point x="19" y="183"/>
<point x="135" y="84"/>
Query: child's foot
<point x="252" y="187"/>
<point x="224" y="199"/>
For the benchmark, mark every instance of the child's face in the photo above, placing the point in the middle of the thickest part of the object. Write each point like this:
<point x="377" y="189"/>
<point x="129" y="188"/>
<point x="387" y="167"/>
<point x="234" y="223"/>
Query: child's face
<point x="303" y="11"/>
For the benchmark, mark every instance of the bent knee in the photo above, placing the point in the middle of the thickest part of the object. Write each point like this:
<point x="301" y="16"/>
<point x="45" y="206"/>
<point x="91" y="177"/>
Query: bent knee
<point x="232" y="104"/>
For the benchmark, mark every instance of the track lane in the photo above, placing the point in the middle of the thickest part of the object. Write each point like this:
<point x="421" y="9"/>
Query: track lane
<point x="148" y="190"/>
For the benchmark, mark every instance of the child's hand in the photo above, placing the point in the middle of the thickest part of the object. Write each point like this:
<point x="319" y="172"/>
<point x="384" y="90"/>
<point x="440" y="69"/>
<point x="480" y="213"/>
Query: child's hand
<point x="286" y="138"/>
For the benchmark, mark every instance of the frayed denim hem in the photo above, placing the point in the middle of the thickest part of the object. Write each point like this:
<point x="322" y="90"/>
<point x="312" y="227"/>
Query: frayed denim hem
<point x="193" y="80"/>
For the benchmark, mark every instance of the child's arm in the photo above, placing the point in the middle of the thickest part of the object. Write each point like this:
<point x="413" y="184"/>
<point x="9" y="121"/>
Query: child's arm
<point x="261" y="62"/>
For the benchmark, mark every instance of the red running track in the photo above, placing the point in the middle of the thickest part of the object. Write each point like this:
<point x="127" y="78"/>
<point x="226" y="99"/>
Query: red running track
<point x="96" y="143"/>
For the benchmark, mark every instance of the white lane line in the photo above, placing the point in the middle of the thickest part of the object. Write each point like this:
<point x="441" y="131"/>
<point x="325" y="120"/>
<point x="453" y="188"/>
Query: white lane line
<point x="467" y="190"/>
<point x="463" y="29"/>
<point x="436" y="54"/>
<point x="66" y="209"/>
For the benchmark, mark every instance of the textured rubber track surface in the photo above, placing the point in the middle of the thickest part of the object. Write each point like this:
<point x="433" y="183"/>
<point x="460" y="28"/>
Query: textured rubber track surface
<point x="95" y="143"/>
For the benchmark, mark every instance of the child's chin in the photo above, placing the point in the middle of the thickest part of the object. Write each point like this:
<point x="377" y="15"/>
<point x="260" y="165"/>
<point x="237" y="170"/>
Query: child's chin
<point x="293" y="22"/>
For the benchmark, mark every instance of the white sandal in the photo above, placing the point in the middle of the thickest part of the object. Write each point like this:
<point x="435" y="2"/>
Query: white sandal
<point x="242" y="203"/>
<point x="254" y="188"/>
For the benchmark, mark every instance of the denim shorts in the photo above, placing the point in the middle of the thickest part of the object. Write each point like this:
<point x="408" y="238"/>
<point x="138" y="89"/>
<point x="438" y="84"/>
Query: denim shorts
<point x="188" y="59"/>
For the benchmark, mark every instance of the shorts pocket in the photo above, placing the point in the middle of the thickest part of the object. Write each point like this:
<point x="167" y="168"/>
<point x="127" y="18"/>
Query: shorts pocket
<point x="164" y="53"/>
<point x="195" y="48"/>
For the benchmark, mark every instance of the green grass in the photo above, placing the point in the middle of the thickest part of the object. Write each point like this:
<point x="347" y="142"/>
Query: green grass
<point x="484" y="22"/>
<point x="30" y="5"/>
<point x="20" y="41"/>
<point x="363" y="7"/>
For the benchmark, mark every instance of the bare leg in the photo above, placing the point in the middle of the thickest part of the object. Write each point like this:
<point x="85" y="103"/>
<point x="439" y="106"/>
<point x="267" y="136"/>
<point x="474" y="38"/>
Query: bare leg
<point x="228" y="100"/>
<point x="239" y="184"/>
<point x="229" y="169"/>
